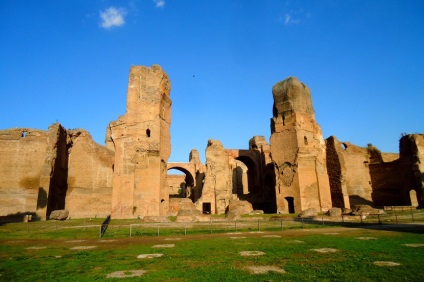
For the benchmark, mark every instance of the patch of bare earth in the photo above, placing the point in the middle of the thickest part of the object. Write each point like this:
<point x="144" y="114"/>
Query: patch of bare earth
<point x="416" y="245"/>
<point x="74" y="241"/>
<point x="271" y="236"/>
<point x="251" y="253"/>
<point x="164" y="246"/>
<point x="386" y="263"/>
<point x="331" y="233"/>
<point x="366" y="238"/>
<point x="172" y="239"/>
<point x="238" y="237"/>
<point x="265" y="269"/>
<point x="298" y="241"/>
<point x="126" y="274"/>
<point x="149" y="256"/>
<point x="324" y="250"/>
<point x="36" y="248"/>
<point x="83" y="247"/>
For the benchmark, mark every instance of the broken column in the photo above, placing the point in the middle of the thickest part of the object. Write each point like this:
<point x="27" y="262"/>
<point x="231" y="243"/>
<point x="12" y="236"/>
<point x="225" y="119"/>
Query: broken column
<point x="141" y="141"/>
<point x="298" y="150"/>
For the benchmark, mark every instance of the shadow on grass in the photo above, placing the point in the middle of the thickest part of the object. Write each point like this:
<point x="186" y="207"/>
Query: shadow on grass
<point x="417" y="228"/>
<point x="19" y="217"/>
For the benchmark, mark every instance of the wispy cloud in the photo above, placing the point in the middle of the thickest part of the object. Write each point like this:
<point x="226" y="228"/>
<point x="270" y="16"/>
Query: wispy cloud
<point x="112" y="17"/>
<point x="159" y="3"/>
<point x="288" y="19"/>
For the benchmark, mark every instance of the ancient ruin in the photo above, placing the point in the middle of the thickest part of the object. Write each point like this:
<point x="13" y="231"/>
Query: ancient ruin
<point x="42" y="171"/>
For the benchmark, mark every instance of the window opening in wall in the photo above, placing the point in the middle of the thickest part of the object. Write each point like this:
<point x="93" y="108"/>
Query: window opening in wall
<point x="344" y="146"/>
<point x="162" y="200"/>
<point x="148" y="132"/>
<point x="206" y="207"/>
<point x="284" y="119"/>
<point x="305" y="140"/>
<point x="23" y="134"/>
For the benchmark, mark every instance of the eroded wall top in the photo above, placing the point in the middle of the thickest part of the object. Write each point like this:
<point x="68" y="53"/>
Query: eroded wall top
<point x="291" y="95"/>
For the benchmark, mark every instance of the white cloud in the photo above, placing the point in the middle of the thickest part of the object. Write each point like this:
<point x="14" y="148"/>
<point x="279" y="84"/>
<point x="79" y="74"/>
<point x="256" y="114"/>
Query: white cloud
<point x="112" y="17"/>
<point x="159" y="3"/>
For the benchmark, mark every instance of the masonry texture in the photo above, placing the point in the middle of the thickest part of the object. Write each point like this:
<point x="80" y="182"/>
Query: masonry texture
<point x="130" y="177"/>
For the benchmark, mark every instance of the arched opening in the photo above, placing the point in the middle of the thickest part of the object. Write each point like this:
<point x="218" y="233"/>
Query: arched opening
<point x="344" y="146"/>
<point x="148" y="133"/>
<point x="252" y="175"/>
<point x="180" y="183"/>
<point x="289" y="204"/>
<point x="270" y="206"/>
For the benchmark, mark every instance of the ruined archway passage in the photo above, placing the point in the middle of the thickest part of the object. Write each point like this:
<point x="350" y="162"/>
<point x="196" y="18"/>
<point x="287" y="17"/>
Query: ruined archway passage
<point x="181" y="182"/>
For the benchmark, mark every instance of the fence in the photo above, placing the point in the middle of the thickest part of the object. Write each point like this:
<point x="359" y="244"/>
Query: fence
<point x="133" y="228"/>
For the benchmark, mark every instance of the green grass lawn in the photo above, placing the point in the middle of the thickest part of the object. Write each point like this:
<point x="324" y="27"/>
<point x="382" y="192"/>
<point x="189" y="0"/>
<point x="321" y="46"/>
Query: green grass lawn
<point x="213" y="257"/>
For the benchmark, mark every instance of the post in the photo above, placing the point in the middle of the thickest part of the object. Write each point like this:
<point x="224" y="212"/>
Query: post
<point x="412" y="215"/>
<point x="100" y="231"/>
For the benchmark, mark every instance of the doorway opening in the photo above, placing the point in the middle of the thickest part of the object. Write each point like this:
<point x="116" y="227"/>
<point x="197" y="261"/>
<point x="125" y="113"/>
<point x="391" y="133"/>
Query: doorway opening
<point x="290" y="204"/>
<point x="206" y="208"/>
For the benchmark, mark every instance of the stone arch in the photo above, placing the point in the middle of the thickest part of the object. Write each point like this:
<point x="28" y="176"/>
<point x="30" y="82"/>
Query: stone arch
<point x="187" y="184"/>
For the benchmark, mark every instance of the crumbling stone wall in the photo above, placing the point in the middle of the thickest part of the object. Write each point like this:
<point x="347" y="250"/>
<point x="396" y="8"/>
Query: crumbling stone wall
<point x="336" y="168"/>
<point x="199" y="168"/>
<point x="55" y="171"/>
<point x="268" y="199"/>
<point x="90" y="176"/>
<point x="33" y="171"/>
<point x="298" y="150"/>
<point x="22" y="152"/>
<point x="141" y="142"/>
<point x="393" y="181"/>
<point x="217" y="188"/>
<point x="349" y="172"/>
<point x="41" y="171"/>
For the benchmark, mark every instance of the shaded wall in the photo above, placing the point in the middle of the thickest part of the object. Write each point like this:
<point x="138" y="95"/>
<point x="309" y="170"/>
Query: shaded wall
<point x="393" y="181"/>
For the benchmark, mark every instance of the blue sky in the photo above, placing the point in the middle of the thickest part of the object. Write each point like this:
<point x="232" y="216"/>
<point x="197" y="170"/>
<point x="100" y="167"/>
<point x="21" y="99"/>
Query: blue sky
<point x="68" y="61"/>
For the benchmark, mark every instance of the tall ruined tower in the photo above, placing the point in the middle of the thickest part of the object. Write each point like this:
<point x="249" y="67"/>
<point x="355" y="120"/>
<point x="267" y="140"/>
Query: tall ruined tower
<point x="298" y="150"/>
<point x="141" y="141"/>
